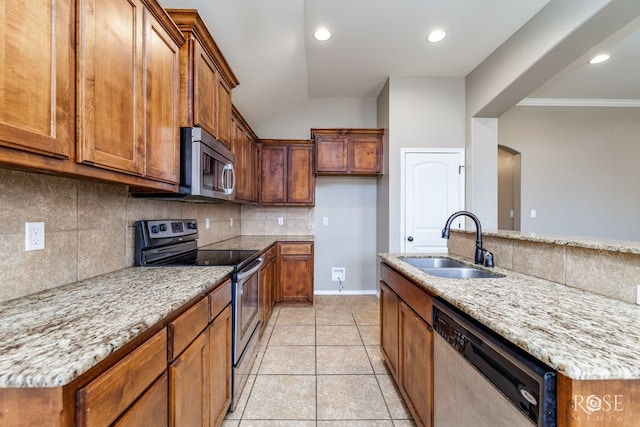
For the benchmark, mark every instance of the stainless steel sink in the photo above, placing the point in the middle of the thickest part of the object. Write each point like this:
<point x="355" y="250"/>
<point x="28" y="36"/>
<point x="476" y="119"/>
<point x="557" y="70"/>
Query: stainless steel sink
<point x="462" y="273"/>
<point x="449" y="268"/>
<point x="434" y="263"/>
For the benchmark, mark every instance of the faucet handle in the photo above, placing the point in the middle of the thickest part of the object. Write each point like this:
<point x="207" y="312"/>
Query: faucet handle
<point x="488" y="259"/>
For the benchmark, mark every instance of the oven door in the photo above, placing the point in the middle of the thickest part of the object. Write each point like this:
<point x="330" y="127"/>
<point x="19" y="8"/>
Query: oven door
<point x="246" y="306"/>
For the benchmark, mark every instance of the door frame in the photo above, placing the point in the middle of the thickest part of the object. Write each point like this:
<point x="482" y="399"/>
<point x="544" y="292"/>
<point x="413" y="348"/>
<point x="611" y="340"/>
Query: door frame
<point x="403" y="168"/>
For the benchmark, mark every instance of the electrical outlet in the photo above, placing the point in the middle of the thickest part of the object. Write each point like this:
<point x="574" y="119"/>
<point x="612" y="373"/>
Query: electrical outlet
<point x="533" y="213"/>
<point x="207" y="223"/>
<point x="280" y="220"/>
<point x="338" y="274"/>
<point x="34" y="236"/>
<point x="231" y="221"/>
<point x="638" y="294"/>
<point x="325" y="220"/>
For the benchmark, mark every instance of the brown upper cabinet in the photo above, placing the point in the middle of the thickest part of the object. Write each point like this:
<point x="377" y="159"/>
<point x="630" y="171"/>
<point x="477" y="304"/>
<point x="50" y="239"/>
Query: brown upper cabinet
<point x="36" y="106"/>
<point x="247" y="164"/>
<point x="93" y="97"/>
<point x="128" y="81"/>
<point x="286" y="172"/>
<point x="348" y="151"/>
<point x="206" y="79"/>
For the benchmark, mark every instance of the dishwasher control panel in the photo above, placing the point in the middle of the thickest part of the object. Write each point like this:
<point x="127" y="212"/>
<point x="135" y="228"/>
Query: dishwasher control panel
<point x="446" y="327"/>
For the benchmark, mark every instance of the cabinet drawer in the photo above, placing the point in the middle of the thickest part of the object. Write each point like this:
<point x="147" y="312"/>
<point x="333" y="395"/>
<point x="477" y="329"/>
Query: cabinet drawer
<point x="186" y="328"/>
<point x="219" y="299"/>
<point x="269" y="254"/>
<point x="296" y="248"/>
<point x="108" y="396"/>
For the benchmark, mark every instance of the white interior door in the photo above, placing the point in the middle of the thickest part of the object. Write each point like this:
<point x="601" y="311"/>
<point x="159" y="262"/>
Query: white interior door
<point x="433" y="189"/>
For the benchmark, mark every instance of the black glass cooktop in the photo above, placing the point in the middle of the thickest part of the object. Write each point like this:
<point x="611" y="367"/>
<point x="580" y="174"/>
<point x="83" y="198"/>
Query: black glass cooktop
<point x="236" y="258"/>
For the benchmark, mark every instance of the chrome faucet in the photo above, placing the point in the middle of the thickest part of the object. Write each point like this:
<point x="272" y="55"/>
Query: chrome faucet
<point x="482" y="256"/>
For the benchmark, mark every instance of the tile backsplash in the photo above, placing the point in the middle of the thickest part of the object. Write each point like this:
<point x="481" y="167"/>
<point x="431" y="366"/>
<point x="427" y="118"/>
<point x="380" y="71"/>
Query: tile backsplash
<point x="89" y="227"/>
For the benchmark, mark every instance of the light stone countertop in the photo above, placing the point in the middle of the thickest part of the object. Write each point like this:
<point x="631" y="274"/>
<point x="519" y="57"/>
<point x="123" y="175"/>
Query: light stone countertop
<point x="602" y="244"/>
<point x="256" y="242"/>
<point x="50" y="338"/>
<point x="582" y="335"/>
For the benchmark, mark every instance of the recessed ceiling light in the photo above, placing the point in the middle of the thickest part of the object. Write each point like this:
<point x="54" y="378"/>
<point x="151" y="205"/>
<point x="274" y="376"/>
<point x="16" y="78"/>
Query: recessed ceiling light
<point x="599" y="58"/>
<point x="322" y="34"/>
<point x="436" y="36"/>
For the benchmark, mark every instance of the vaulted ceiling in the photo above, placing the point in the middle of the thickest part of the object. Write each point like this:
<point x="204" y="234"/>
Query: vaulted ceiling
<point x="270" y="47"/>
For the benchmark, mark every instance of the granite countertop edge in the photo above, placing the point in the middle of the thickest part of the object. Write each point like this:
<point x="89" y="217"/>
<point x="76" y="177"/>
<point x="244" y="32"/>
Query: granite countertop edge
<point x="582" y="335"/>
<point x="50" y="338"/>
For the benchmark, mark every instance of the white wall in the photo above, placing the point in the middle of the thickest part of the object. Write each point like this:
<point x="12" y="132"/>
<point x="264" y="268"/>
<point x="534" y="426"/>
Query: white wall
<point x="579" y="169"/>
<point x="319" y="113"/>
<point x="423" y="112"/>
<point x="349" y="238"/>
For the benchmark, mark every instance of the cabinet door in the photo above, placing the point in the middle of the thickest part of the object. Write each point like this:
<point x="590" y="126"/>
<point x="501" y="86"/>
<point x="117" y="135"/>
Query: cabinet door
<point x="416" y="365"/>
<point x="162" y="67"/>
<point x="151" y="409"/>
<point x="295" y="284"/>
<point x="365" y="154"/>
<point x="110" y="81"/>
<point x="223" y="114"/>
<point x="220" y="366"/>
<point x="300" y="177"/>
<point x="331" y="154"/>
<point x="389" y="306"/>
<point x="273" y="174"/>
<point x="204" y="90"/>
<point x="37" y="83"/>
<point x="189" y="386"/>
<point x="238" y="147"/>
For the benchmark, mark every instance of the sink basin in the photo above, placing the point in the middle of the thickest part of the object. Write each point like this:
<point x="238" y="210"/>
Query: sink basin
<point x="449" y="268"/>
<point x="434" y="263"/>
<point x="461" y="273"/>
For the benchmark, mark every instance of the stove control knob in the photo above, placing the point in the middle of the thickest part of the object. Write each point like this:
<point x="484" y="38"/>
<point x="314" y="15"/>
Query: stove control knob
<point x="192" y="225"/>
<point x="163" y="227"/>
<point x="154" y="229"/>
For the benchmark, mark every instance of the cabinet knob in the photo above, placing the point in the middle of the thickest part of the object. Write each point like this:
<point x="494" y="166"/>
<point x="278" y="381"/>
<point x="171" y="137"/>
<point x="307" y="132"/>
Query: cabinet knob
<point x="410" y="238"/>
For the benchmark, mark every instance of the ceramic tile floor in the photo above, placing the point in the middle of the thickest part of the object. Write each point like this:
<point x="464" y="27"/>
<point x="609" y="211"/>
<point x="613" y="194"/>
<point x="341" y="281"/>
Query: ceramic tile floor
<point x="321" y="366"/>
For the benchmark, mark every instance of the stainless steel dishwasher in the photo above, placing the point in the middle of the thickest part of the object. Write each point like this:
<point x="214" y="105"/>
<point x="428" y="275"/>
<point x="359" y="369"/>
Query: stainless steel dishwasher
<point x="481" y="380"/>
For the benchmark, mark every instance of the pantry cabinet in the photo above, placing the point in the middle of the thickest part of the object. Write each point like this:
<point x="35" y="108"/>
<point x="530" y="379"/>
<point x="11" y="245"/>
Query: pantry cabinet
<point x="407" y="341"/>
<point x="348" y="151"/>
<point x="295" y="272"/>
<point x="206" y="80"/>
<point x="286" y="173"/>
<point x="128" y="74"/>
<point x="37" y="84"/>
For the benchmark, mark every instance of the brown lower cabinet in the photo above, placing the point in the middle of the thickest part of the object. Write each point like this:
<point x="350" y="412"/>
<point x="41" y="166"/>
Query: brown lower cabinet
<point x="295" y="273"/>
<point x="179" y="377"/>
<point x="268" y="280"/>
<point x="407" y="341"/>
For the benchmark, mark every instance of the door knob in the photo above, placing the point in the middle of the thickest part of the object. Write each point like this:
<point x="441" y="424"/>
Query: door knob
<point x="410" y="238"/>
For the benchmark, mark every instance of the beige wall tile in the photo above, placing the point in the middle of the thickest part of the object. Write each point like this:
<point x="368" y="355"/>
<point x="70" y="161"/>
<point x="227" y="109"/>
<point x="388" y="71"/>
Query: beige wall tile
<point x="35" y="197"/>
<point x="502" y="250"/>
<point x="606" y="273"/>
<point x="101" y="206"/>
<point x="541" y="260"/>
<point x="109" y="255"/>
<point x="23" y="273"/>
<point x="462" y="244"/>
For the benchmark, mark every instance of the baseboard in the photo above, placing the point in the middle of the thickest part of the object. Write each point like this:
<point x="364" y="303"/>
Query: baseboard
<point x="347" y="292"/>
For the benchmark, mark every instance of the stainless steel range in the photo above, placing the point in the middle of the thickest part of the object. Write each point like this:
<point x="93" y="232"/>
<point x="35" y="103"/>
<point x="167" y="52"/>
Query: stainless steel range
<point x="174" y="243"/>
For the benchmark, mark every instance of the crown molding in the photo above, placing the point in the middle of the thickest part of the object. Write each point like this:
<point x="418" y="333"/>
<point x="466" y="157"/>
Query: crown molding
<point x="578" y="102"/>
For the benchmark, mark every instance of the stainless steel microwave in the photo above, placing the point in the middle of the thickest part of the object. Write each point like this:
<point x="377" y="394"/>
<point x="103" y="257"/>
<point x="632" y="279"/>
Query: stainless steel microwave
<point x="206" y="166"/>
<point x="206" y="169"/>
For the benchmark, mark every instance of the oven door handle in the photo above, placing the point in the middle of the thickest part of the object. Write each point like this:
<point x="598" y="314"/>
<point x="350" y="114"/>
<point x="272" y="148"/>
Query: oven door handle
<point x="249" y="270"/>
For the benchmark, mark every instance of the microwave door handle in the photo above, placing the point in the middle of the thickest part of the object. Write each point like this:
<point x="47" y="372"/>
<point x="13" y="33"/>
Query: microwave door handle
<point x="228" y="170"/>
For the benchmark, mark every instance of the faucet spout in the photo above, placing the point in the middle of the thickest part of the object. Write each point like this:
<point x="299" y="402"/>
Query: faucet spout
<point x="479" y="254"/>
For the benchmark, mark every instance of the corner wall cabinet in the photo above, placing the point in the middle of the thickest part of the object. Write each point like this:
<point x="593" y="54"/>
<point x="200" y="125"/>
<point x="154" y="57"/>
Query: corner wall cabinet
<point x="206" y="80"/>
<point x="286" y="173"/>
<point x="247" y="161"/>
<point x="348" y="151"/>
